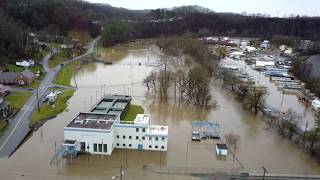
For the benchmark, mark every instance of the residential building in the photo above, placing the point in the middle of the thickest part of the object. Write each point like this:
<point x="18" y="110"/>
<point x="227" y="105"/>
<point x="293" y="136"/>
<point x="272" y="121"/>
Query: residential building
<point x="25" y="63"/>
<point x="17" y="78"/>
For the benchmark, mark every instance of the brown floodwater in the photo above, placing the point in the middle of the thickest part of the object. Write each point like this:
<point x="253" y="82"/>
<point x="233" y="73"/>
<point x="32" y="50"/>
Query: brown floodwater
<point x="258" y="144"/>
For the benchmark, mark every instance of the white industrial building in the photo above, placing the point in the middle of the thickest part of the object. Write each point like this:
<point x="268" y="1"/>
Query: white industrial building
<point x="99" y="133"/>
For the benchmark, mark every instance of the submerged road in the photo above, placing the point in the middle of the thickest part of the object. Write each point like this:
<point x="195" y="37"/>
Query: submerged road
<point x="19" y="128"/>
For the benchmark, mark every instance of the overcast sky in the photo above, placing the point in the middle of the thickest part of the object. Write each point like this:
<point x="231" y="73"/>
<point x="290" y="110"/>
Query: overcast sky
<point x="272" y="7"/>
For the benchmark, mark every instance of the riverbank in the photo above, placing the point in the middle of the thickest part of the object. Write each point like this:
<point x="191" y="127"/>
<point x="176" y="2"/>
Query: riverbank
<point x="64" y="77"/>
<point x="47" y="111"/>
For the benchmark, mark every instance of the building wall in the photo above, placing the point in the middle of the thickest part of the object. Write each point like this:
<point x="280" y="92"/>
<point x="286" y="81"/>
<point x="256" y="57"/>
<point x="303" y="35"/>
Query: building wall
<point x="118" y="137"/>
<point x="90" y="138"/>
<point x="139" y="139"/>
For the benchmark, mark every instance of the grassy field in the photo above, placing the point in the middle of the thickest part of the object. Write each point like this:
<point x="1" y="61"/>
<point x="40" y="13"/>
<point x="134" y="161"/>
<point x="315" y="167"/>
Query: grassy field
<point x="58" y="59"/>
<point x="65" y="75"/>
<point x="132" y="112"/>
<point x="48" y="111"/>
<point x="17" y="99"/>
<point x="3" y="126"/>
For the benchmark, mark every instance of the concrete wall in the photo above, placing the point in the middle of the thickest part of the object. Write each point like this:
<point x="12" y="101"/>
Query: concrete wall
<point x="91" y="137"/>
<point x="118" y="137"/>
<point x="122" y="139"/>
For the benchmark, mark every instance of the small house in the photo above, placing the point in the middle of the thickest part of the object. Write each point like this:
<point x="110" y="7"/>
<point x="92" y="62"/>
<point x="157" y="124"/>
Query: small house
<point x="221" y="149"/>
<point x="17" y="78"/>
<point x="52" y="96"/>
<point x="25" y="63"/>
<point x="26" y="77"/>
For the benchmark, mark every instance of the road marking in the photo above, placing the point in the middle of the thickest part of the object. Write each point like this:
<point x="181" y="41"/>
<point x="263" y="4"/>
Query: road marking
<point x="21" y="117"/>
<point x="44" y="83"/>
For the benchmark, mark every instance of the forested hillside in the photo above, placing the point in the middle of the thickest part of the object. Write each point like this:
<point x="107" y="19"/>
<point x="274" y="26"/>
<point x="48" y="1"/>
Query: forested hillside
<point x="60" y="17"/>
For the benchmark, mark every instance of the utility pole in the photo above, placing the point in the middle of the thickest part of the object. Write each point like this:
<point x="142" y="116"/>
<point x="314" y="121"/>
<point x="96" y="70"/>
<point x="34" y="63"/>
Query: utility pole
<point x="91" y="101"/>
<point x="264" y="172"/>
<point x="160" y="160"/>
<point x="121" y="172"/>
<point x="38" y="100"/>
<point x="304" y="134"/>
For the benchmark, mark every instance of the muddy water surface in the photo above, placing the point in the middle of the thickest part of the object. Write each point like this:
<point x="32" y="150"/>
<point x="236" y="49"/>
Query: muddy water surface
<point x="258" y="145"/>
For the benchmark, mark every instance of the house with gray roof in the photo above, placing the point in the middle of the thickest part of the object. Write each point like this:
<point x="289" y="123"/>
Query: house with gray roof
<point x="25" y="77"/>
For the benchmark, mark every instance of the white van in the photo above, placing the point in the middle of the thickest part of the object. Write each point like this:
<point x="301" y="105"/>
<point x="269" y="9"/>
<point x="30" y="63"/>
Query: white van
<point x="316" y="105"/>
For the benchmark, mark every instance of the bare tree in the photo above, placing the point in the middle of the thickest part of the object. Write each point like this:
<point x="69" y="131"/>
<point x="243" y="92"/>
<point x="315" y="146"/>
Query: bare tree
<point x="232" y="140"/>
<point x="255" y="98"/>
<point x="289" y="122"/>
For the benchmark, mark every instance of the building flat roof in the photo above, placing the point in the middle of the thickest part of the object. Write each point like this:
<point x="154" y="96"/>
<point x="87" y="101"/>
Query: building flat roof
<point x="93" y="121"/>
<point x="156" y="130"/>
<point x="142" y="119"/>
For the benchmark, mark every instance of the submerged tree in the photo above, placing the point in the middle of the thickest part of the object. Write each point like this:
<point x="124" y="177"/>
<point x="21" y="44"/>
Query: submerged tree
<point x="255" y="98"/>
<point x="289" y="122"/>
<point x="198" y="88"/>
<point x="232" y="140"/>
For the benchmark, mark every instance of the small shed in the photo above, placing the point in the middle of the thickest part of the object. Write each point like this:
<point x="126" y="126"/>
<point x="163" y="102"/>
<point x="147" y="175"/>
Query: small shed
<point x="221" y="149"/>
<point x="52" y="96"/>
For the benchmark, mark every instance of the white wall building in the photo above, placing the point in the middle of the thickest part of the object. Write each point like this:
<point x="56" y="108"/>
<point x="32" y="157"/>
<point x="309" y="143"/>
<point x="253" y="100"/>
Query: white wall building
<point x="100" y="133"/>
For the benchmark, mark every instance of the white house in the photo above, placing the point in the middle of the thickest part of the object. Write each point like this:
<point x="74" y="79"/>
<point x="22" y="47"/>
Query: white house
<point x="25" y="63"/>
<point x="100" y="133"/>
<point x="52" y="96"/>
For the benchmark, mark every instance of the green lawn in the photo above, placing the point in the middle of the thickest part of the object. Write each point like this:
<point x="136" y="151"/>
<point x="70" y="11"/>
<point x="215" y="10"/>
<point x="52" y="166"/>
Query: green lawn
<point x="3" y="126"/>
<point x="65" y="75"/>
<point x="59" y="58"/>
<point x="132" y="112"/>
<point x="17" y="99"/>
<point x="48" y="111"/>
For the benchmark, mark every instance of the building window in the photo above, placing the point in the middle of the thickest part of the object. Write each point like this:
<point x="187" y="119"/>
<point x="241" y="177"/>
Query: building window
<point x="137" y="129"/>
<point x="130" y="145"/>
<point x="143" y="129"/>
<point x="124" y="145"/>
<point x="163" y="139"/>
<point x="130" y="137"/>
<point x="150" y="146"/>
<point x="105" y="148"/>
<point x="117" y="136"/>
<point x="143" y="138"/>
<point x="162" y="147"/>
<point x="137" y="137"/>
<point x="100" y="147"/>
<point x="124" y="137"/>
<point x="95" y="147"/>
<point x="156" y="147"/>
<point x="118" y="144"/>
<point x="150" y="138"/>
<point x="156" y="138"/>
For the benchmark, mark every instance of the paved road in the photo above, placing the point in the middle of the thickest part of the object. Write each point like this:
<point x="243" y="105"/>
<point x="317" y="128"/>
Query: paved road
<point x="18" y="128"/>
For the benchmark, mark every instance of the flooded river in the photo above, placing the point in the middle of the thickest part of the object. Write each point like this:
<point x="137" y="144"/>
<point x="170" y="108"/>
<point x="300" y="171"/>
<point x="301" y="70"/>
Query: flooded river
<point x="258" y="145"/>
